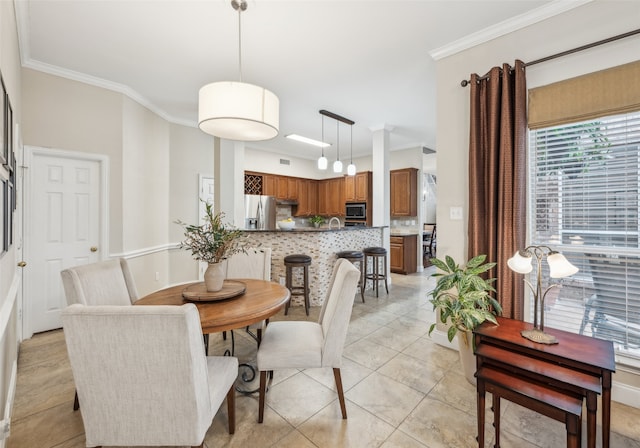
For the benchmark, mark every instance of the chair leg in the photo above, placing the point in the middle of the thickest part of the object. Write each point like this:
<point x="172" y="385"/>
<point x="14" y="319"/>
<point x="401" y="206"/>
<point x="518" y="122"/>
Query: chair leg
<point x="384" y="265"/>
<point x="199" y="446"/>
<point x="76" y="402"/>
<point x="231" y="408"/>
<point x="263" y="391"/>
<point x="306" y="289"/>
<point x="362" y="280"/>
<point x="338" y="378"/>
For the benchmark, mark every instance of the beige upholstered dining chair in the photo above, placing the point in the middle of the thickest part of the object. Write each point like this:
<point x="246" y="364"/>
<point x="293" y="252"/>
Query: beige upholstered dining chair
<point x="255" y="263"/>
<point x="302" y="344"/>
<point x="143" y="377"/>
<point x="103" y="283"/>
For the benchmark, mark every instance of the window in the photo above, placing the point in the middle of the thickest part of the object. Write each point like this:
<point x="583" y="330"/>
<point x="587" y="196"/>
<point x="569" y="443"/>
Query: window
<point x="584" y="185"/>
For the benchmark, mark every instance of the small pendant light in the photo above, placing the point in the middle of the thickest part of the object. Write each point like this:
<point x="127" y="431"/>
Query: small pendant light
<point x="322" y="161"/>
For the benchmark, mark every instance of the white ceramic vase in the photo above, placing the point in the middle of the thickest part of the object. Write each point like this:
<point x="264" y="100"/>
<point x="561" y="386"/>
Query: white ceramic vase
<point x="214" y="277"/>
<point x="467" y="356"/>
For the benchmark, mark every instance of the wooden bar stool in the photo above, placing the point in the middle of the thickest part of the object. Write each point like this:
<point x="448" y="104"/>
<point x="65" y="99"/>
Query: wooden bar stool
<point x="355" y="256"/>
<point x="298" y="261"/>
<point x="376" y="255"/>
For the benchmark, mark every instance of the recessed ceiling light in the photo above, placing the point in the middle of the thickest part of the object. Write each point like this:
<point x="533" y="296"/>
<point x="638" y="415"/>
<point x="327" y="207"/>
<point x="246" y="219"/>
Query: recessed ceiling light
<point x="308" y="140"/>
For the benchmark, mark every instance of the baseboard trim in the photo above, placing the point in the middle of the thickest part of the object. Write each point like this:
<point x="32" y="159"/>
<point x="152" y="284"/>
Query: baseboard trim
<point x="625" y="394"/>
<point x="5" y="424"/>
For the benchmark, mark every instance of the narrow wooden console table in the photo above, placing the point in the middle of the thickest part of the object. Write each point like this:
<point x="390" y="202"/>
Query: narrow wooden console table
<point x="576" y="366"/>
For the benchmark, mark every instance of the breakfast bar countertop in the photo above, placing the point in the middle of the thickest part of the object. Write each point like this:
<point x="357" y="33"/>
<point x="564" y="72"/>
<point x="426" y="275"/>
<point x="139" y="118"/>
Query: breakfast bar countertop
<point x="321" y="244"/>
<point x="317" y="229"/>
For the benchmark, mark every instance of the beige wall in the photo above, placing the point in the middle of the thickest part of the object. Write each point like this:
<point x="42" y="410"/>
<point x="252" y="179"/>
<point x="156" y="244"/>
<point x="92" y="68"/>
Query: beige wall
<point x="191" y="155"/>
<point x="589" y="23"/>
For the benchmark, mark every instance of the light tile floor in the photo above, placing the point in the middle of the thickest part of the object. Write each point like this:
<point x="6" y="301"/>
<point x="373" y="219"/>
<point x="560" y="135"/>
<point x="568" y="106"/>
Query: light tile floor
<point x="402" y="390"/>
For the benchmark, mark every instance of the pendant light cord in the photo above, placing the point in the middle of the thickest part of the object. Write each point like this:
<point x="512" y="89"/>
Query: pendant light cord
<point x="322" y="147"/>
<point x="240" y="43"/>
<point x="351" y="144"/>
<point x="338" y="142"/>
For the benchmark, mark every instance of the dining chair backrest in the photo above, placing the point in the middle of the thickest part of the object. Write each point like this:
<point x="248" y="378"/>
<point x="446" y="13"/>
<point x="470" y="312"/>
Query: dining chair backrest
<point x="336" y="311"/>
<point x="255" y="263"/>
<point x="149" y="384"/>
<point x="103" y="283"/>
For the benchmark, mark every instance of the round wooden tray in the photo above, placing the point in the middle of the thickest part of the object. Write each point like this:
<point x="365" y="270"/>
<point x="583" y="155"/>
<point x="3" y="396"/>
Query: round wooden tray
<point x="198" y="292"/>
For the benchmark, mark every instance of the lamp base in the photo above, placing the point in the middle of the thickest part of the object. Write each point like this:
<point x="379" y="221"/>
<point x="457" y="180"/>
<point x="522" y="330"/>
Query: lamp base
<point x="538" y="336"/>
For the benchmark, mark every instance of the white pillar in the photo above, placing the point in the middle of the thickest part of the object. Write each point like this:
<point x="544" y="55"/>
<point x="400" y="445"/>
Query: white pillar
<point x="229" y="180"/>
<point x="381" y="200"/>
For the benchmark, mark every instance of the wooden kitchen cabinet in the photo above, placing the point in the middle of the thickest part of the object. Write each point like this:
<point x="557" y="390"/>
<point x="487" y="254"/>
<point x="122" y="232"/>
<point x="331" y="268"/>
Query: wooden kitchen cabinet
<point x="331" y="197"/>
<point x="335" y="196"/>
<point x="269" y="184"/>
<point x="404" y="192"/>
<point x="403" y="254"/>
<point x="307" y="190"/>
<point x="286" y="188"/>
<point x="322" y="198"/>
<point x="357" y="188"/>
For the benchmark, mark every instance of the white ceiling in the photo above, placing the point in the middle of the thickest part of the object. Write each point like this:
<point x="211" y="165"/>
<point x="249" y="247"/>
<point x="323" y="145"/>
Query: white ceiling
<point x="368" y="61"/>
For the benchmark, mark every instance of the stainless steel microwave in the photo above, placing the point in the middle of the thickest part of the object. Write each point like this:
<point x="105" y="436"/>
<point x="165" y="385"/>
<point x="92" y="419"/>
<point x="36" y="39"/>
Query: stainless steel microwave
<point x="356" y="211"/>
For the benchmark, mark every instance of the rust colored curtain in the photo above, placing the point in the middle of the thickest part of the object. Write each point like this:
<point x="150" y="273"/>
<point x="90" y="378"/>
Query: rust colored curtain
<point x="498" y="177"/>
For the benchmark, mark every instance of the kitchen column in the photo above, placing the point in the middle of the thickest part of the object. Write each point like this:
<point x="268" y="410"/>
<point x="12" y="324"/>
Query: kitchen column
<point x="229" y="180"/>
<point x="380" y="185"/>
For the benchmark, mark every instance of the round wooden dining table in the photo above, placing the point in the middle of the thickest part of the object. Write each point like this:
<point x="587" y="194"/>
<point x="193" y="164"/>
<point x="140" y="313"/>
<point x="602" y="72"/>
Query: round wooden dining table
<point x="260" y="300"/>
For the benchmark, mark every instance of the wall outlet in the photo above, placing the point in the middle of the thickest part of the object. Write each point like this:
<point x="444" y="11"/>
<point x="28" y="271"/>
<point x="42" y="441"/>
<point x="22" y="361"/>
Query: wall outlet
<point x="281" y="280"/>
<point x="455" y="213"/>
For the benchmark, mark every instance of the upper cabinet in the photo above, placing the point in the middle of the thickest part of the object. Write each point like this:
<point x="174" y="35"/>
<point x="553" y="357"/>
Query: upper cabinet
<point x="404" y="192"/>
<point x="331" y="197"/>
<point x="357" y="188"/>
<point x="307" y="197"/>
<point x="269" y="184"/>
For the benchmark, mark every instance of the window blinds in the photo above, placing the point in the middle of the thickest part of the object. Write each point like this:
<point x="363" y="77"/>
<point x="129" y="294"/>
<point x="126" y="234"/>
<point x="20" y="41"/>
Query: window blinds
<point x="585" y="180"/>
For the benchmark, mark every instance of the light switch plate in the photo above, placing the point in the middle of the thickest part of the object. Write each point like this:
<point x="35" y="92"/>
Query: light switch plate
<point x="455" y="213"/>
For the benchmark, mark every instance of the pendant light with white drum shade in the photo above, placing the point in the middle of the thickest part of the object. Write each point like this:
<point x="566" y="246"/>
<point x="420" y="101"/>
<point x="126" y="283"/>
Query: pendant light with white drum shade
<point x="235" y="110"/>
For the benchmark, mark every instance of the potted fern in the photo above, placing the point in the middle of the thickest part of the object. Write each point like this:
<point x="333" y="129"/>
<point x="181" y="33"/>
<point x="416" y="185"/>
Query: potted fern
<point x="213" y="242"/>
<point x="462" y="301"/>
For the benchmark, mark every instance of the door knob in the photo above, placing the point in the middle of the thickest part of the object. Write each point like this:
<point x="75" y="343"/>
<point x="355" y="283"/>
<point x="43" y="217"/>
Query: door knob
<point x="94" y="249"/>
<point x="22" y="264"/>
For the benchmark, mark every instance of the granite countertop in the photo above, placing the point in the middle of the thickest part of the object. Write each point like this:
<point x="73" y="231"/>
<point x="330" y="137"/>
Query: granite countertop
<point x="319" y="229"/>
<point x="403" y="232"/>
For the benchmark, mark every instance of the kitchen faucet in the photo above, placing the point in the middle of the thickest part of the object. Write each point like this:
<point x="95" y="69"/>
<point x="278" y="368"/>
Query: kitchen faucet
<point x="331" y="221"/>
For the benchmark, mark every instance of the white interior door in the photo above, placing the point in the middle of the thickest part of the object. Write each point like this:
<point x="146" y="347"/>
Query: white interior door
<point x="64" y="207"/>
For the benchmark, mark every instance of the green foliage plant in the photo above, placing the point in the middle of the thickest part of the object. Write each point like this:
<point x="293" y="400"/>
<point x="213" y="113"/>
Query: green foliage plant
<point x="316" y="219"/>
<point x="462" y="296"/>
<point x="212" y="241"/>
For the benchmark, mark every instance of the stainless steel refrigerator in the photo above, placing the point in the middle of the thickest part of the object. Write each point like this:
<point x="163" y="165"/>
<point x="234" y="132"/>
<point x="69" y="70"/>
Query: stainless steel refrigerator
<point x="259" y="212"/>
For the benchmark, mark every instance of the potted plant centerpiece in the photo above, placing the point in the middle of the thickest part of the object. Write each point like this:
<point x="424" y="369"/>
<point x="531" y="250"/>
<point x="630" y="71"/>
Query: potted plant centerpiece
<point x="213" y="242"/>
<point x="316" y="220"/>
<point x="462" y="301"/>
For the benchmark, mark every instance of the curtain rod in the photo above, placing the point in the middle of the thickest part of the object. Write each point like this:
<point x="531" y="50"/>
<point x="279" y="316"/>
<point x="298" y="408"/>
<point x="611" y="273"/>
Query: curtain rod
<point x="465" y="82"/>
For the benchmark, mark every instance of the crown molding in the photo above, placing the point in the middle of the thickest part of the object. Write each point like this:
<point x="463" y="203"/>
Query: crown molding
<point x="507" y="26"/>
<point x="105" y="84"/>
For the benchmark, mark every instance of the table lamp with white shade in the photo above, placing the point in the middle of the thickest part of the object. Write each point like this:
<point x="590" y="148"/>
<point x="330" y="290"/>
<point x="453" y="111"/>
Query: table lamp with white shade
<point x="559" y="267"/>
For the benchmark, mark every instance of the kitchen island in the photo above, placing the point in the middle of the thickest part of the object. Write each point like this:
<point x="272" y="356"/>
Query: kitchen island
<point x="321" y="244"/>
